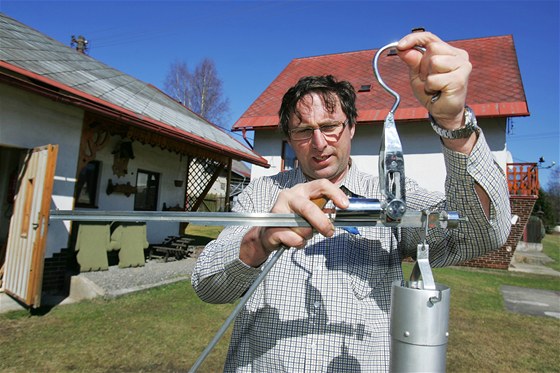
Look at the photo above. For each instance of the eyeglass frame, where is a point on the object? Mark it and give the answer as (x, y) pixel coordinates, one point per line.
(295, 130)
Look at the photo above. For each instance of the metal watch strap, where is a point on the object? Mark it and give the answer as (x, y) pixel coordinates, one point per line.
(465, 131)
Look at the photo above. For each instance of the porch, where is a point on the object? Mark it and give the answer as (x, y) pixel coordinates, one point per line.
(523, 185)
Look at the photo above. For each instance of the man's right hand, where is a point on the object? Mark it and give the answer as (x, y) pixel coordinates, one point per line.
(306, 200)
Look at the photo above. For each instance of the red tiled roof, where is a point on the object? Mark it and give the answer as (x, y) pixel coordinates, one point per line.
(495, 86)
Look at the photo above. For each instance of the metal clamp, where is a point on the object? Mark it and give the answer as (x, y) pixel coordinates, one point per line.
(422, 267)
(391, 159)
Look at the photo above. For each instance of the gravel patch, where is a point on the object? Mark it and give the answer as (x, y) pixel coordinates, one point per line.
(117, 281)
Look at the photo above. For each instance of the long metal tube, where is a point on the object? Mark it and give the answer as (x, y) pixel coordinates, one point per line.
(266, 268)
(361, 212)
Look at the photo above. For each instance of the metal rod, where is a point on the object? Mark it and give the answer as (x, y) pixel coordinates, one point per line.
(266, 268)
(365, 214)
(204, 218)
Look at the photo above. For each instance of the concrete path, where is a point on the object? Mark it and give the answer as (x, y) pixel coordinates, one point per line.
(8, 303)
(534, 302)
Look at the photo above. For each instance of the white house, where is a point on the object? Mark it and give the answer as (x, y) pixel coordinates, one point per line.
(495, 94)
(78, 134)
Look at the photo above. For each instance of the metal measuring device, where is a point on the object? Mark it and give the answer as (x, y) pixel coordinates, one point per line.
(419, 315)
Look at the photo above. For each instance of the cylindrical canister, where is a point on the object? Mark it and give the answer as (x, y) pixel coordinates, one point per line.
(419, 327)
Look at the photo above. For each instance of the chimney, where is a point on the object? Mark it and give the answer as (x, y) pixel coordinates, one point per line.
(80, 44)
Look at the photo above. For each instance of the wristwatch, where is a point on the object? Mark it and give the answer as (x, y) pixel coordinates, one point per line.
(465, 131)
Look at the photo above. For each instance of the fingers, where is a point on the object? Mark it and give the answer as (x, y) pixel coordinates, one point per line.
(438, 58)
(273, 238)
(441, 68)
(446, 74)
(417, 38)
(306, 200)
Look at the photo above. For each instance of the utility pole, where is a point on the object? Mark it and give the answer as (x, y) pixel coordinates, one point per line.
(80, 44)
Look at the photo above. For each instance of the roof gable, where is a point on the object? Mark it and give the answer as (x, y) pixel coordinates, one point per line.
(495, 86)
(34, 55)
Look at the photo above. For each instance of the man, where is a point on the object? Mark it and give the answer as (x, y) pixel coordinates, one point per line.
(324, 306)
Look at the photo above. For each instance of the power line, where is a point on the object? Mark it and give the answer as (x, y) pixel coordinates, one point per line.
(116, 37)
(537, 136)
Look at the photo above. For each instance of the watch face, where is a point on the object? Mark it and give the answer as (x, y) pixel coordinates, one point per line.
(461, 133)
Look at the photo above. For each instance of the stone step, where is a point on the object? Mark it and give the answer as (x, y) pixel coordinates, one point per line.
(531, 257)
(528, 246)
(533, 268)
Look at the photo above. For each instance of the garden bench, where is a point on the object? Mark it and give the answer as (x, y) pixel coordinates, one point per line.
(173, 245)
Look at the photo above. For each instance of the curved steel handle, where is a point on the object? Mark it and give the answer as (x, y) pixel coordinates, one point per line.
(378, 76)
(397, 97)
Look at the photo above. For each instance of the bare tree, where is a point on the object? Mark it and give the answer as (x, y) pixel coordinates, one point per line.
(201, 91)
(177, 83)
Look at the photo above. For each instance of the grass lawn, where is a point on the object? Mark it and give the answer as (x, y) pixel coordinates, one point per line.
(203, 234)
(551, 247)
(165, 329)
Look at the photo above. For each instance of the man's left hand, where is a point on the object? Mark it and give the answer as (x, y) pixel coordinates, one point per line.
(441, 68)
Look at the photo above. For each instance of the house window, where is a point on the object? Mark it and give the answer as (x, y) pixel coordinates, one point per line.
(289, 160)
(87, 185)
(147, 186)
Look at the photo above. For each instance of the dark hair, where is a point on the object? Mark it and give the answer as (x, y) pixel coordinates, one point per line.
(327, 87)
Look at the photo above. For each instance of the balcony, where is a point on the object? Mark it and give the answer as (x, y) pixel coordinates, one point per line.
(523, 179)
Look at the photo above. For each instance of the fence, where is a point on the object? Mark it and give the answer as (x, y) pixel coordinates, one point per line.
(523, 179)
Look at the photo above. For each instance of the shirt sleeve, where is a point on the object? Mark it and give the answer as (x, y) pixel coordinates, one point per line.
(219, 275)
(480, 234)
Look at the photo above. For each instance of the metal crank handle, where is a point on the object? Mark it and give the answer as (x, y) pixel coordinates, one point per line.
(369, 212)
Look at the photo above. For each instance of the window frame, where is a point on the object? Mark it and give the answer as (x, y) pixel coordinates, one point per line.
(144, 205)
(83, 185)
(286, 148)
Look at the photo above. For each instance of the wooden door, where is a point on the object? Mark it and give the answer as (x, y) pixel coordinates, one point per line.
(27, 236)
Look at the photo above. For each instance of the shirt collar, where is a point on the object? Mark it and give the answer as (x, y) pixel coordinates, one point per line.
(353, 182)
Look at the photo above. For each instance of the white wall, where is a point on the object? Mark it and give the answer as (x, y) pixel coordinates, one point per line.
(421, 147)
(28, 121)
(169, 165)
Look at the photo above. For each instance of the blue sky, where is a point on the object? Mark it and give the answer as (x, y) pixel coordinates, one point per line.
(251, 42)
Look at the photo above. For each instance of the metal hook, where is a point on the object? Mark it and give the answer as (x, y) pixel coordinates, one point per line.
(381, 82)
(397, 97)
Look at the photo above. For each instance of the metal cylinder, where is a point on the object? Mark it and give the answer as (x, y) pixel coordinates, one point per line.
(365, 210)
(419, 327)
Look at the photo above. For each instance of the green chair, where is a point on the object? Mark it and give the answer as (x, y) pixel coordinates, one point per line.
(92, 244)
(130, 240)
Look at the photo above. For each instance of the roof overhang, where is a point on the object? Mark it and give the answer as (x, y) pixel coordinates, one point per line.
(22, 78)
(486, 110)
(495, 85)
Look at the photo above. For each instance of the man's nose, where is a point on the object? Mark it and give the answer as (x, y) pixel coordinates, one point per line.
(318, 139)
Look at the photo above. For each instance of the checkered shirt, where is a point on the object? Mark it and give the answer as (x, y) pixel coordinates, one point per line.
(325, 308)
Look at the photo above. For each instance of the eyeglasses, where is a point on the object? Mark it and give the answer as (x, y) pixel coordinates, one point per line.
(330, 131)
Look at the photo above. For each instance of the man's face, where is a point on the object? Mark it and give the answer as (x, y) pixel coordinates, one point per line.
(321, 157)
